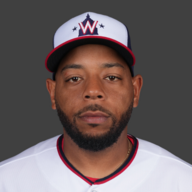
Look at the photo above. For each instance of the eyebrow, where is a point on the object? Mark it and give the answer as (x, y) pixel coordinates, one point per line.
(109, 65)
(72, 66)
(78, 66)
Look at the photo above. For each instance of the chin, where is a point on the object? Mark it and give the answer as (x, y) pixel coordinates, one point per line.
(94, 130)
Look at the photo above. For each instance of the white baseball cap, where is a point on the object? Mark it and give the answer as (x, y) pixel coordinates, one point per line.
(90, 28)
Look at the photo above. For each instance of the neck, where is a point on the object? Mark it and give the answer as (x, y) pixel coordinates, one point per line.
(97, 164)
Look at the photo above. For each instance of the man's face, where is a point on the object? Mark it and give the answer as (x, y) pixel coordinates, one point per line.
(93, 78)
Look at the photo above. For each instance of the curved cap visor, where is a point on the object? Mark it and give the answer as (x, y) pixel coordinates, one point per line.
(55, 56)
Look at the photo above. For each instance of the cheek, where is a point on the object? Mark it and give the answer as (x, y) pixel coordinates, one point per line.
(67, 99)
(121, 98)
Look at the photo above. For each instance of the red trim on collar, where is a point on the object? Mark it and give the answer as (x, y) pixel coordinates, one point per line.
(90, 180)
(71, 168)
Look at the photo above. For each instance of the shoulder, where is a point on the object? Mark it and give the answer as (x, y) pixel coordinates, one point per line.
(152, 149)
(163, 165)
(31, 152)
(26, 163)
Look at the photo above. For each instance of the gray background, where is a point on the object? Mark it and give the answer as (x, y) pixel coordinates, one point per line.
(161, 41)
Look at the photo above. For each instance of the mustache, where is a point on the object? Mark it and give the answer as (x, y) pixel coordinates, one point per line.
(93, 107)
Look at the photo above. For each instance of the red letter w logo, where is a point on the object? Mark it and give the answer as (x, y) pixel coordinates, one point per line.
(88, 25)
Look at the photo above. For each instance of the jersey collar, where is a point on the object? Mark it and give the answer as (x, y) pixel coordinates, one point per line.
(122, 168)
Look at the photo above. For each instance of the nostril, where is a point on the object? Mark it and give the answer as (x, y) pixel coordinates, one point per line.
(87, 96)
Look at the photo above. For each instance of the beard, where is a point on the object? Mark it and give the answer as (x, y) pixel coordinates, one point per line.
(94, 143)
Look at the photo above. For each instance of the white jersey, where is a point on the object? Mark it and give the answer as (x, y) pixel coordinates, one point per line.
(44, 168)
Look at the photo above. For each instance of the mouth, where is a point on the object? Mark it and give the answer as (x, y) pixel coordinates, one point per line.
(94, 117)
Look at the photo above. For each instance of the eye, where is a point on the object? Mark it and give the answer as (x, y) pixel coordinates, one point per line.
(73, 79)
(112, 78)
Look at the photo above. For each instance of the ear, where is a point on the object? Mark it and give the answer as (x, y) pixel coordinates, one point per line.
(50, 84)
(137, 82)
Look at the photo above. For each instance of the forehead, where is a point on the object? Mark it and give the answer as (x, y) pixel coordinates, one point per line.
(92, 56)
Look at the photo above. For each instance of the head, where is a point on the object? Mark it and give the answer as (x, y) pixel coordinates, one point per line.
(94, 77)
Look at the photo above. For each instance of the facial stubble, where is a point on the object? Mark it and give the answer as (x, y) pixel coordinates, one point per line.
(97, 142)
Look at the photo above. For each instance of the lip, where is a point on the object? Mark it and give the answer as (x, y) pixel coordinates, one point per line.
(94, 117)
(94, 114)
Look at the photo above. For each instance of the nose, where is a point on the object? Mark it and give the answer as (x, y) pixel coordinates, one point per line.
(94, 89)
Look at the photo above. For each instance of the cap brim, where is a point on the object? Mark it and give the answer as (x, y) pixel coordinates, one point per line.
(54, 57)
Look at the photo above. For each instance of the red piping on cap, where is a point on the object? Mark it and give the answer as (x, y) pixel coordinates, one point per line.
(88, 37)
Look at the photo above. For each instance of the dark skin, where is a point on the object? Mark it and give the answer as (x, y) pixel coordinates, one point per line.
(95, 84)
